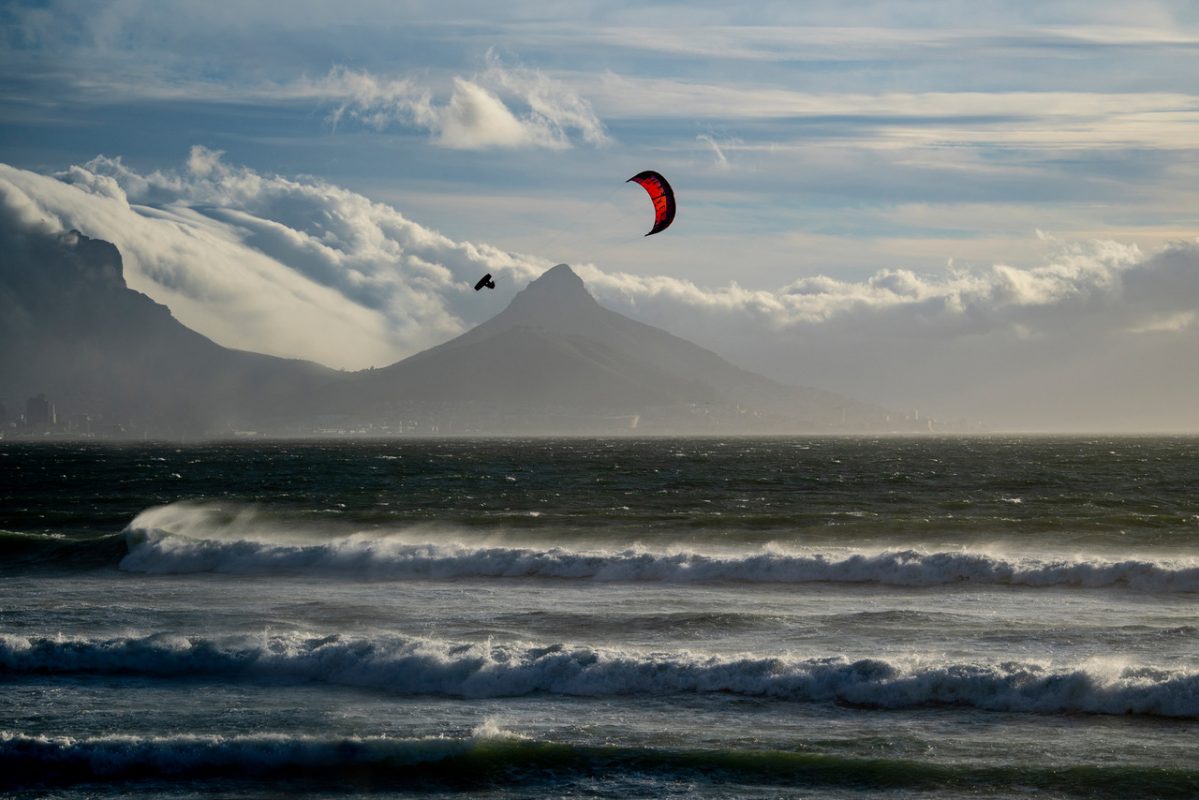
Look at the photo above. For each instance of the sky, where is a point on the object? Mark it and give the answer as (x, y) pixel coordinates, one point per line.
(979, 210)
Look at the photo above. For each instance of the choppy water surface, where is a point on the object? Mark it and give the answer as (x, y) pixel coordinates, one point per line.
(747, 617)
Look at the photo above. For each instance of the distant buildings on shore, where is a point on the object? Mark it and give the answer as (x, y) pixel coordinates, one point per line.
(41, 418)
(39, 413)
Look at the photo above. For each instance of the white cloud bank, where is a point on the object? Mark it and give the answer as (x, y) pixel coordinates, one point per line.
(295, 268)
(299, 267)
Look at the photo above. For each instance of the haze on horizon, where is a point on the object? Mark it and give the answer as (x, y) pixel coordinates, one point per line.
(970, 209)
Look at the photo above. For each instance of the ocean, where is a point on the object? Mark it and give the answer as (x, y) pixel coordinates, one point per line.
(744, 617)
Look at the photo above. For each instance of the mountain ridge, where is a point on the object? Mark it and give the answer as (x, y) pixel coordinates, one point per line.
(71, 328)
(554, 361)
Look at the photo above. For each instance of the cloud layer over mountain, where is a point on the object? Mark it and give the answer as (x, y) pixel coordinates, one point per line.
(296, 266)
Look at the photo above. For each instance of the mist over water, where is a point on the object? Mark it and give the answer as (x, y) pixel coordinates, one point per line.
(930, 617)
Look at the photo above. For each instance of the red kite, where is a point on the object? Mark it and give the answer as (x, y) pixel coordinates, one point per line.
(662, 195)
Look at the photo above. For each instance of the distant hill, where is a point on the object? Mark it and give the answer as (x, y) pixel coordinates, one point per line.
(553, 362)
(556, 361)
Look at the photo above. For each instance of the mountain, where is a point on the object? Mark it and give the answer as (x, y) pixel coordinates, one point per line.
(553, 362)
(71, 329)
(556, 361)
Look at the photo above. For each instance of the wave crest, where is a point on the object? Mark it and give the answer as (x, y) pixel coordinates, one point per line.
(436, 667)
(388, 558)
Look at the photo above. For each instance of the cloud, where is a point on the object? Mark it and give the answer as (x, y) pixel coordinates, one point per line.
(722, 161)
(1166, 323)
(1081, 277)
(475, 116)
(832, 40)
(553, 105)
(1047, 119)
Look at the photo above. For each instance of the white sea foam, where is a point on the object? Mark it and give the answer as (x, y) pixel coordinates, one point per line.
(400, 665)
(179, 539)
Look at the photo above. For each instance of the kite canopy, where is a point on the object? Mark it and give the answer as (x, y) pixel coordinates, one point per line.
(662, 195)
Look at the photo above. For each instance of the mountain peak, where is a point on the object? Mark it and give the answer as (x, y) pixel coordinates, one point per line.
(559, 281)
(560, 273)
(47, 265)
(98, 260)
(553, 299)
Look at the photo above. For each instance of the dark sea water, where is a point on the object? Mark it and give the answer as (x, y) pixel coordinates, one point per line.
(817, 618)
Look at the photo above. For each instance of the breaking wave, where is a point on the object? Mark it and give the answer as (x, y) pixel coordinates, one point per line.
(401, 665)
(181, 539)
